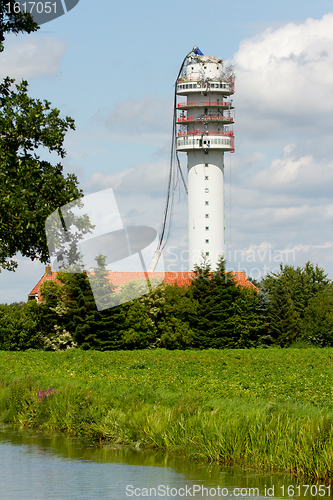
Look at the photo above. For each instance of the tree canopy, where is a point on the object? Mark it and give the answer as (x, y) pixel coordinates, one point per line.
(293, 295)
(318, 319)
(12, 21)
(30, 188)
(226, 315)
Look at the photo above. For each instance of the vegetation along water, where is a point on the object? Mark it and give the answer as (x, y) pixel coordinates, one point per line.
(270, 408)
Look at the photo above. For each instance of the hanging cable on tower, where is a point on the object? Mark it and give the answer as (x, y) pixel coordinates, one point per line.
(175, 172)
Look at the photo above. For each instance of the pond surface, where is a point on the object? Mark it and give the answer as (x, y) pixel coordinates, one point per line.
(38, 467)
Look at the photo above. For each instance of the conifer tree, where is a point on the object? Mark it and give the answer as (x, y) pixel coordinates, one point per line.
(284, 319)
(246, 321)
(91, 328)
(216, 293)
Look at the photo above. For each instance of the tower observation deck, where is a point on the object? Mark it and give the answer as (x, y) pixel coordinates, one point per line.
(205, 121)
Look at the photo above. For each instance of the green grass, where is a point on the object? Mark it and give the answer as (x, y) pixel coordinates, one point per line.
(270, 408)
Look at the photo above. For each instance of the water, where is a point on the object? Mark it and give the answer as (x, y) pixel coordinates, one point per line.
(38, 467)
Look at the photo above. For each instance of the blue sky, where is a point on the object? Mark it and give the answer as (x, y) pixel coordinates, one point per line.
(112, 68)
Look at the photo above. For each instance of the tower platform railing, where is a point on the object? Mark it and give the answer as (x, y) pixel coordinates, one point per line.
(193, 104)
(206, 132)
(205, 118)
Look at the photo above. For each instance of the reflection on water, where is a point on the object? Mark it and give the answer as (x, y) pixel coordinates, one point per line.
(38, 467)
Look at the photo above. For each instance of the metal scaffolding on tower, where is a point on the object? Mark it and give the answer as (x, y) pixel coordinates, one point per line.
(203, 78)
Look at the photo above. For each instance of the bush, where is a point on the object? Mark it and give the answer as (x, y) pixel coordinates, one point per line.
(18, 327)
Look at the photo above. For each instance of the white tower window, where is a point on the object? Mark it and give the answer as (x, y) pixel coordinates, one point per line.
(206, 202)
(206, 190)
(207, 241)
(207, 228)
(207, 254)
(206, 178)
(207, 216)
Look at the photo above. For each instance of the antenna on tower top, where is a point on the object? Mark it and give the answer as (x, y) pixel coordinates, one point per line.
(197, 51)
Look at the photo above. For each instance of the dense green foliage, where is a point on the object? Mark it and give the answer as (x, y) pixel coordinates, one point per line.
(271, 408)
(212, 312)
(293, 305)
(226, 314)
(30, 188)
(18, 327)
(69, 308)
(158, 319)
(317, 324)
(282, 316)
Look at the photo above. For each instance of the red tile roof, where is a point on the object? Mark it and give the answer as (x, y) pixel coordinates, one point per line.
(122, 278)
(36, 290)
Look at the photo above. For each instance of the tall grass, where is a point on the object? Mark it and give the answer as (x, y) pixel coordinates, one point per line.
(271, 409)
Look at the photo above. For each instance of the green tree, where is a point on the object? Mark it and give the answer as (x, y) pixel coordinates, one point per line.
(159, 318)
(30, 188)
(103, 289)
(168, 308)
(91, 328)
(78, 300)
(51, 315)
(48, 313)
(246, 321)
(18, 327)
(138, 330)
(302, 283)
(290, 292)
(262, 309)
(173, 324)
(14, 21)
(284, 319)
(216, 293)
(317, 325)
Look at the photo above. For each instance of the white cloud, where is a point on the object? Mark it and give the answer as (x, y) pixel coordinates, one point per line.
(306, 248)
(147, 119)
(148, 178)
(281, 207)
(284, 99)
(285, 78)
(140, 195)
(297, 177)
(32, 56)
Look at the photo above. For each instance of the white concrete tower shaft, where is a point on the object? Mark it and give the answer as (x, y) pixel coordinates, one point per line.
(205, 133)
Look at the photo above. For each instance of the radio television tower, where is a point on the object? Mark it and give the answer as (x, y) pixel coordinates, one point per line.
(205, 134)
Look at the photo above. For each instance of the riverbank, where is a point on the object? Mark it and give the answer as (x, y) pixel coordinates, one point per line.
(269, 408)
